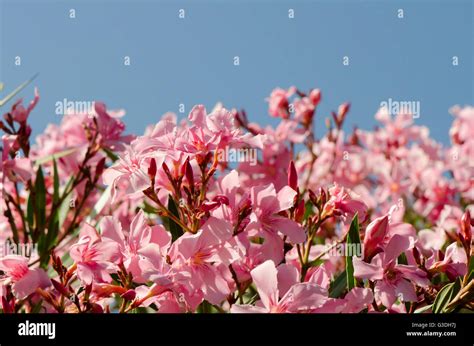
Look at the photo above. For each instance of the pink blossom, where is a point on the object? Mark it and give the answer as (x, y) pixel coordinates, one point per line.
(278, 102)
(24, 280)
(453, 263)
(298, 298)
(17, 168)
(205, 256)
(266, 206)
(392, 280)
(343, 203)
(131, 243)
(130, 173)
(19, 113)
(93, 257)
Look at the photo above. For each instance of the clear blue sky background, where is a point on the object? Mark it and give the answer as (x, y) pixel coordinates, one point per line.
(190, 61)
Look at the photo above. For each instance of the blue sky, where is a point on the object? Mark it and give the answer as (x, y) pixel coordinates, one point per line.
(190, 60)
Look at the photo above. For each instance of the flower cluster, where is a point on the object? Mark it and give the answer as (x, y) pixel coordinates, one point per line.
(368, 221)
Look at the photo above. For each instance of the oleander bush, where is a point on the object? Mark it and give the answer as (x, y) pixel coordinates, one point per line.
(219, 214)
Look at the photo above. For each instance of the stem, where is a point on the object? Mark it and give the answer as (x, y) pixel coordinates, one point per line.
(465, 295)
(165, 211)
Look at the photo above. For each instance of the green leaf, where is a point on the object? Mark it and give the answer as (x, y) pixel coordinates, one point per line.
(64, 208)
(316, 263)
(104, 198)
(445, 295)
(16, 91)
(55, 156)
(110, 154)
(40, 201)
(423, 309)
(55, 183)
(30, 211)
(402, 259)
(338, 286)
(308, 210)
(471, 269)
(147, 208)
(37, 307)
(47, 237)
(353, 239)
(175, 229)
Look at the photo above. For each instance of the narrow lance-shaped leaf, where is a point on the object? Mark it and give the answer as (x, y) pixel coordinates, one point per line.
(55, 182)
(65, 205)
(101, 203)
(110, 154)
(352, 243)
(40, 202)
(175, 229)
(55, 156)
(50, 237)
(445, 295)
(338, 286)
(30, 210)
(16, 91)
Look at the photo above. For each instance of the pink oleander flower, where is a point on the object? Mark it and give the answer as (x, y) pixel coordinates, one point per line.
(266, 204)
(131, 243)
(130, 173)
(94, 258)
(213, 131)
(300, 297)
(354, 301)
(453, 263)
(305, 107)
(24, 280)
(110, 128)
(380, 231)
(237, 207)
(19, 113)
(278, 102)
(204, 258)
(15, 169)
(392, 280)
(463, 124)
(343, 203)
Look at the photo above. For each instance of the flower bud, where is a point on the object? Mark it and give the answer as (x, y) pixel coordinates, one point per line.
(188, 172)
(99, 168)
(167, 171)
(244, 207)
(292, 176)
(129, 295)
(222, 199)
(312, 197)
(315, 96)
(466, 231)
(300, 211)
(341, 113)
(323, 198)
(60, 288)
(152, 169)
(374, 235)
